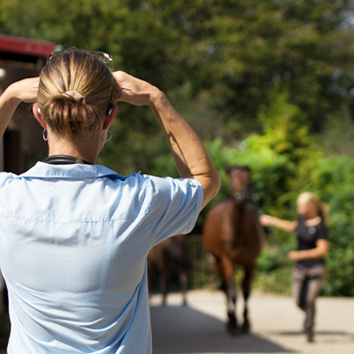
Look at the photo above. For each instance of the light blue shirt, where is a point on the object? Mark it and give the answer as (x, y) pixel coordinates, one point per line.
(73, 247)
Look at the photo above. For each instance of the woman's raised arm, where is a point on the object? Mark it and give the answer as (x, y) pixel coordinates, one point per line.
(191, 158)
(20, 91)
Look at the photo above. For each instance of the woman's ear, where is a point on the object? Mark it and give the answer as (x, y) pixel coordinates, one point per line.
(37, 114)
(110, 116)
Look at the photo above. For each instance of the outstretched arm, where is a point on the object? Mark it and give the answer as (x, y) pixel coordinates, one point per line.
(20, 91)
(285, 225)
(190, 156)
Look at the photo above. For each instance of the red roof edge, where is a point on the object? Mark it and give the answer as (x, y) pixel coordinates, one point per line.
(26, 46)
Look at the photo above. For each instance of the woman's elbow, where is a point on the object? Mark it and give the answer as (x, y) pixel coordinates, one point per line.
(211, 187)
(216, 182)
(325, 252)
(323, 249)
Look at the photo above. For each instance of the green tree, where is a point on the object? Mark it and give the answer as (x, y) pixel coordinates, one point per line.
(235, 50)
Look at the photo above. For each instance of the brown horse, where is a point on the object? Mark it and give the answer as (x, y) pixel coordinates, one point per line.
(167, 255)
(233, 235)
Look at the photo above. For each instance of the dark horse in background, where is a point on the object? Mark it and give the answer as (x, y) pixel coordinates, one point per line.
(233, 235)
(171, 255)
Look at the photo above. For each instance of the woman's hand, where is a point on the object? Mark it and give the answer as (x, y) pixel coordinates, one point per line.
(295, 255)
(20, 91)
(135, 91)
(265, 220)
(24, 90)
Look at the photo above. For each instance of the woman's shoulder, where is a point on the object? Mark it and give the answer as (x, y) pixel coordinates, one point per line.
(321, 229)
(6, 177)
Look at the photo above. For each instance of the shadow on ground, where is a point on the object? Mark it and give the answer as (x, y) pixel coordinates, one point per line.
(183, 330)
(321, 333)
(325, 336)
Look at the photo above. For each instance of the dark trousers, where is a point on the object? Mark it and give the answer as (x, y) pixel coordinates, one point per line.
(307, 285)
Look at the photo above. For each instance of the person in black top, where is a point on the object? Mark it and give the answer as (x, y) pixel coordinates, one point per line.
(310, 269)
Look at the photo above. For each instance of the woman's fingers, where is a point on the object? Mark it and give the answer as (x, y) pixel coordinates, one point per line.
(133, 90)
(26, 89)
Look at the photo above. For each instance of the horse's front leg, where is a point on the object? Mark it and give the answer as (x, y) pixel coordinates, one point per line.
(163, 286)
(230, 291)
(183, 278)
(246, 290)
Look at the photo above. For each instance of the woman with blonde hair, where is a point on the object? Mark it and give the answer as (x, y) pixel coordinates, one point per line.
(309, 270)
(74, 235)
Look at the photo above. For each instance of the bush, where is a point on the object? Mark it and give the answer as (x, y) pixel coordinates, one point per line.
(333, 179)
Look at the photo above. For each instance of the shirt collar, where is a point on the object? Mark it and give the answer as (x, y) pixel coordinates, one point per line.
(71, 171)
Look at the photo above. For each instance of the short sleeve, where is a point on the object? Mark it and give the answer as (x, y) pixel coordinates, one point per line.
(174, 208)
(321, 232)
(5, 180)
(5, 177)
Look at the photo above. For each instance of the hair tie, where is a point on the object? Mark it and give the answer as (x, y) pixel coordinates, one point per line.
(76, 96)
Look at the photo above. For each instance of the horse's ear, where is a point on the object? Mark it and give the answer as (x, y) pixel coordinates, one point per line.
(247, 168)
(228, 169)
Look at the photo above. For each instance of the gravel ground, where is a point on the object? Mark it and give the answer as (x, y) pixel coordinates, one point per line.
(199, 328)
(276, 326)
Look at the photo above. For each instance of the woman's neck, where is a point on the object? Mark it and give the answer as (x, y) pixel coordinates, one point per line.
(72, 153)
(313, 221)
(86, 150)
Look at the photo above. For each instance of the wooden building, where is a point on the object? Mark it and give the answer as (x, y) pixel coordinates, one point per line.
(21, 58)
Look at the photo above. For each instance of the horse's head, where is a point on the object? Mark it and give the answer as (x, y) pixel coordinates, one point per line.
(241, 183)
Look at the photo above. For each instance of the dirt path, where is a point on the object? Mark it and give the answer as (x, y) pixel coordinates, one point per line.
(276, 326)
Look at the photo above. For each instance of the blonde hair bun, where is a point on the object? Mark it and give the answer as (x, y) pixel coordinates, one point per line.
(75, 91)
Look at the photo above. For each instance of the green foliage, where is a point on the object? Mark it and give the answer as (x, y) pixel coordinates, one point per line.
(338, 134)
(333, 181)
(278, 157)
(274, 272)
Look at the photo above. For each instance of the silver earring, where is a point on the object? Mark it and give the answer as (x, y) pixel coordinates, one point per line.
(45, 135)
(109, 133)
(39, 110)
